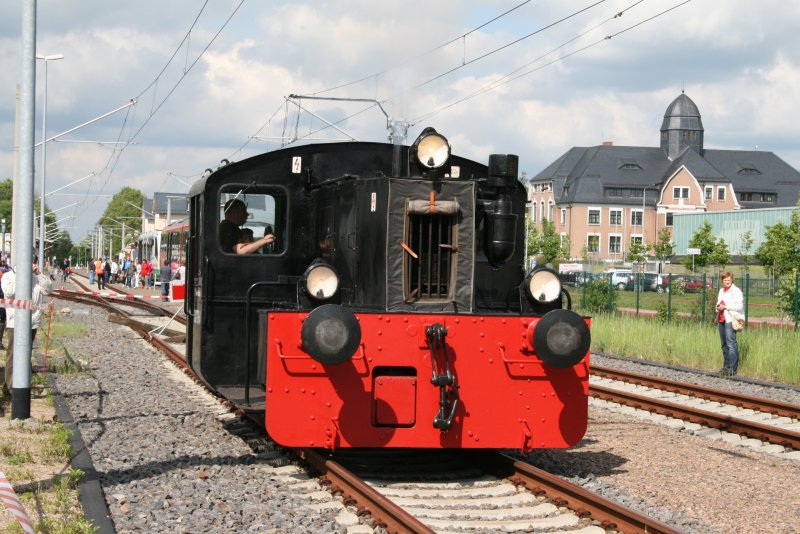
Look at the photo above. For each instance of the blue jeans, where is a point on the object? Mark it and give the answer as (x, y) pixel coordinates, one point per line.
(730, 349)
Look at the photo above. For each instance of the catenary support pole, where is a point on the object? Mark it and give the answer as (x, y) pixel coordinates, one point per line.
(23, 230)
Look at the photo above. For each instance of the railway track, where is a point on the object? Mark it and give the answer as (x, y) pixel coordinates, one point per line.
(757, 418)
(488, 490)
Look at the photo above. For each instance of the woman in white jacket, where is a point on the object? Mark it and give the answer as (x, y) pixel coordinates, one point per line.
(40, 289)
(729, 301)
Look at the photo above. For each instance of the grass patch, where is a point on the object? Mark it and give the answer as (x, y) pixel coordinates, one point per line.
(764, 353)
(61, 328)
(57, 446)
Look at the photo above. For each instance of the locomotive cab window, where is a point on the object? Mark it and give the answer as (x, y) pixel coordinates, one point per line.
(252, 220)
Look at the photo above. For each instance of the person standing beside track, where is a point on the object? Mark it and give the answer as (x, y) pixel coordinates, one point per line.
(99, 272)
(165, 275)
(8, 284)
(729, 301)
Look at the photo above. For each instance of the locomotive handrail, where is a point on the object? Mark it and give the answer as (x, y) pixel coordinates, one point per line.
(187, 309)
(247, 300)
(281, 355)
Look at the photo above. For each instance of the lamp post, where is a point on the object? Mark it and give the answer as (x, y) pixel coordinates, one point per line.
(3, 228)
(44, 155)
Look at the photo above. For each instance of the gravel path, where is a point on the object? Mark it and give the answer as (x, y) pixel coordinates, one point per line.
(165, 459)
(168, 462)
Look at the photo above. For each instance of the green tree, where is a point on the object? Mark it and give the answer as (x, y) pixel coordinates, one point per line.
(62, 246)
(550, 242)
(663, 247)
(720, 255)
(6, 200)
(637, 253)
(746, 248)
(702, 239)
(781, 246)
(566, 248)
(122, 212)
(531, 238)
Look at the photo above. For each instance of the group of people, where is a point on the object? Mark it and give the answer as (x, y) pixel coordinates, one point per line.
(130, 273)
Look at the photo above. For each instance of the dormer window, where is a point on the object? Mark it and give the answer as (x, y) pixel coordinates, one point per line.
(747, 168)
(629, 164)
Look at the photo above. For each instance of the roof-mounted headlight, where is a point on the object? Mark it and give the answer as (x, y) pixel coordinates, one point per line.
(321, 281)
(543, 286)
(432, 149)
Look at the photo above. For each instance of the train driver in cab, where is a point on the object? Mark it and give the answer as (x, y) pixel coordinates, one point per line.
(230, 231)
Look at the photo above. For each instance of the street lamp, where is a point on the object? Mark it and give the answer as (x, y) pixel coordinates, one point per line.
(3, 228)
(44, 155)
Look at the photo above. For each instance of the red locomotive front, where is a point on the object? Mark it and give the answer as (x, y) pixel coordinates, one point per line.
(430, 381)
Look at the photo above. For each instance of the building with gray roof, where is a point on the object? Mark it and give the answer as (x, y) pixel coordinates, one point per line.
(606, 197)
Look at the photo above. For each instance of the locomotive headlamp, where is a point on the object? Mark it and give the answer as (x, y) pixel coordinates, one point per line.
(543, 285)
(432, 149)
(331, 334)
(321, 281)
(561, 338)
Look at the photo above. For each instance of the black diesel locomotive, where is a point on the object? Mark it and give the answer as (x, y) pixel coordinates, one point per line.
(390, 309)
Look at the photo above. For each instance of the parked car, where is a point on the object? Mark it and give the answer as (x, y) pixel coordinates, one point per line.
(620, 278)
(650, 282)
(690, 283)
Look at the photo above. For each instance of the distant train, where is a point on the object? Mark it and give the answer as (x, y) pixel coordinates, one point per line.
(168, 244)
(390, 307)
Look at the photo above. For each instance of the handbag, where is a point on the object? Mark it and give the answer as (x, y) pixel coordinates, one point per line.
(737, 322)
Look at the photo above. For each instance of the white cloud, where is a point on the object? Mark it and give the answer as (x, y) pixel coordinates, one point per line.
(736, 59)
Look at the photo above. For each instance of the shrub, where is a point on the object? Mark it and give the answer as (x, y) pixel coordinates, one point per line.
(599, 296)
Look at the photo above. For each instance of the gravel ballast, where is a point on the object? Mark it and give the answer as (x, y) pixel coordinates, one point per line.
(165, 459)
(168, 462)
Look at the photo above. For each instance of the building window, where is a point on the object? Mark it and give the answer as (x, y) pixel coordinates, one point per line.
(636, 239)
(594, 215)
(636, 217)
(614, 244)
(669, 219)
(613, 191)
(680, 192)
(746, 197)
(550, 211)
(542, 214)
(593, 242)
(563, 216)
(533, 211)
(615, 216)
(709, 193)
(721, 193)
(767, 197)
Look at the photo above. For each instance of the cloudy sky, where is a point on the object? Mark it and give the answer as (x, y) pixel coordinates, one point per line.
(498, 76)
